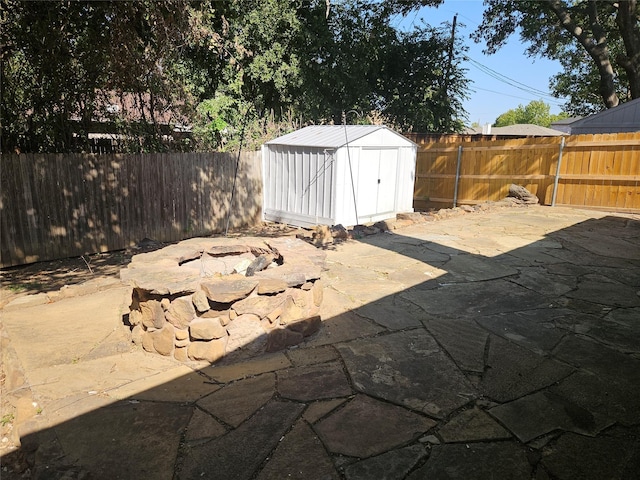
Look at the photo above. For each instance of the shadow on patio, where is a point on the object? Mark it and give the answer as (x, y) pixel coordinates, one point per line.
(498, 346)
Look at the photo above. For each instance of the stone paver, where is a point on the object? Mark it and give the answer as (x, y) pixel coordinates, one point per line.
(367, 427)
(103, 442)
(315, 382)
(615, 455)
(502, 344)
(239, 453)
(387, 466)
(472, 425)
(407, 368)
(533, 329)
(300, 455)
(480, 461)
(462, 339)
(543, 412)
(514, 371)
(237, 401)
(475, 298)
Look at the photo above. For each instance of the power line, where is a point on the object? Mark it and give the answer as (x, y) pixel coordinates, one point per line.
(512, 96)
(507, 80)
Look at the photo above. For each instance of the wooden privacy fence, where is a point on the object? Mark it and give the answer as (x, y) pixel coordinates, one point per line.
(594, 171)
(57, 206)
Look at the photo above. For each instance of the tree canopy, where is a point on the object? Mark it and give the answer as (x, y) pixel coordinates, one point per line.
(253, 66)
(536, 112)
(597, 43)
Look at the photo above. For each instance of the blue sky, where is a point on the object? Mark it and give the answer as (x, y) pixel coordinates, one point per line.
(489, 97)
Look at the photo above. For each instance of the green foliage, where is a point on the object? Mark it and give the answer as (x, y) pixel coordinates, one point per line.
(6, 419)
(597, 43)
(536, 112)
(224, 68)
(359, 62)
(63, 61)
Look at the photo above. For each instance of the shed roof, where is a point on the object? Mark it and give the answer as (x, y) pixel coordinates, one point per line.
(329, 136)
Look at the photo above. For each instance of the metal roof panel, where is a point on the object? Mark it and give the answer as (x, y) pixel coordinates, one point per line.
(325, 136)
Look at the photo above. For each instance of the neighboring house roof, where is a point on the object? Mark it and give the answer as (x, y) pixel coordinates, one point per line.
(564, 125)
(623, 118)
(566, 121)
(131, 107)
(329, 136)
(520, 130)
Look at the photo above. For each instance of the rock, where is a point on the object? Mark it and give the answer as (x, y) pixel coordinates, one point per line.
(521, 193)
(267, 286)
(273, 316)
(226, 250)
(260, 305)
(317, 292)
(322, 235)
(225, 317)
(431, 439)
(339, 232)
(180, 354)
(181, 334)
(136, 334)
(181, 312)
(231, 288)
(241, 266)
(290, 311)
(200, 301)
(206, 329)
(209, 351)
(259, 264)
(135, 317)
(246, 333)
(306, 326)
(281, 338)
(163, 340)
(415, 217)
(147, 342)
(165, 303)
(152, 314)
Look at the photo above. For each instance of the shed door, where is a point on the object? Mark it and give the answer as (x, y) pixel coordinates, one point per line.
(377, 181)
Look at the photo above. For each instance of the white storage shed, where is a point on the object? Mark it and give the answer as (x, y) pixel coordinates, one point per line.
(337, 174)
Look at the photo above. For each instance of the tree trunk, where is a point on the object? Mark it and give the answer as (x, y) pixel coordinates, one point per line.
(595, 46)
(630, 32)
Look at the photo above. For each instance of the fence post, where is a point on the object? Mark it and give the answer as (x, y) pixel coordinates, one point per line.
(455, 188)
(557, 178)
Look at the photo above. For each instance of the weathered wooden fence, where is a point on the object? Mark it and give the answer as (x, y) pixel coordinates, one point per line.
(593, 171)
(57, 206)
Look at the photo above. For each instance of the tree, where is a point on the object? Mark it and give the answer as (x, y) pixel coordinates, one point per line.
(359, 62)
(299, 63)
(536, 112)
(222, 67)
(606, 35)
(62, 61)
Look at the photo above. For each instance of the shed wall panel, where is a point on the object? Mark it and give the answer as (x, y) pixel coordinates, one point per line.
(308, 185)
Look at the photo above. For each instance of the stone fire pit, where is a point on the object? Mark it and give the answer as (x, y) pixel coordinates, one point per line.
(202, 299)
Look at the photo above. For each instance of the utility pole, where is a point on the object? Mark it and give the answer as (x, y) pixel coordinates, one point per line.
(450, 59)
